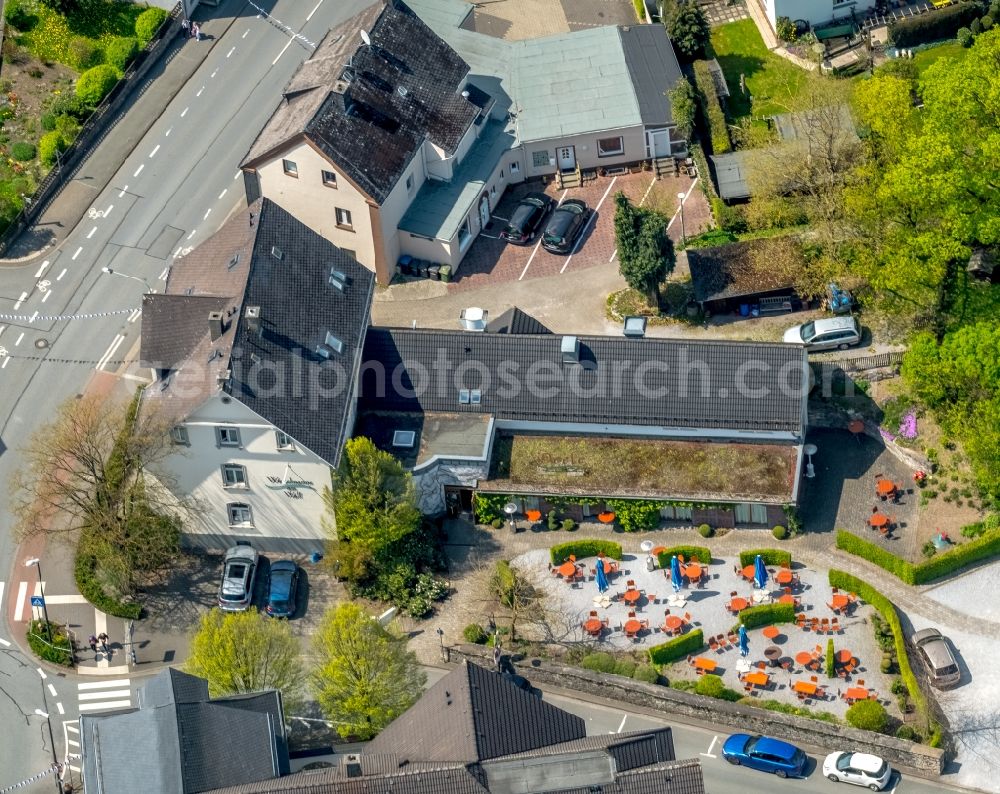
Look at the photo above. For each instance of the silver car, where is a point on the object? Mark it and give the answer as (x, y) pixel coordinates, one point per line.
(860, 769)
(825, 334)
(937, 656)
(239, 571)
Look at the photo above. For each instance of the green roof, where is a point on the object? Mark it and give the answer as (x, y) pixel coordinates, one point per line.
(586, 87)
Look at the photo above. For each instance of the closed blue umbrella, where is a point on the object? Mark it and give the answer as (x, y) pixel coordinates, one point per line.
(675, 573)
(759, 573)
(744, 642)
(602, 579)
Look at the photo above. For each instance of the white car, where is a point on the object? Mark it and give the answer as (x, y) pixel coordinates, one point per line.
(825, 334)
(861, 769)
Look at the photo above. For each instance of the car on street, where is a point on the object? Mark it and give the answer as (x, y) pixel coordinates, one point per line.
(282, 585)
(526, 219)
(564, 227)
(765, 754)
(859, 769)
(239, 571)
(935, 652)
(825, 334)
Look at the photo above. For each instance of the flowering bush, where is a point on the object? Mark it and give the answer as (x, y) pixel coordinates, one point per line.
(908, 427)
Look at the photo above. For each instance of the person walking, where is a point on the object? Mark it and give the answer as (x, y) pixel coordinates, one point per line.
(103, 639)
(93, 643)
(185, 28)
(196, 31)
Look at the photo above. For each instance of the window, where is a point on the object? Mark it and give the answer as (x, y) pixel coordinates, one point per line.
(501, 175)
(676, 513)
(742, 513)
(227, 437)
(234, 476)
(463, 396)
(352, 254)
(758, 514)
(607, 147)
(290, 168)
(333, 342)
(464, 235)
(239, 514)
(514, 168)
(179, 435)
(476, 396)
(409, 183)
(329, 179)
(540, 159)
(493, 191)
(283, 440)
(344, 219)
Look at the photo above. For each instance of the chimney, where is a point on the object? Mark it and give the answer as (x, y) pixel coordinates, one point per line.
(352, 765)
(215, 324)
(252, 315)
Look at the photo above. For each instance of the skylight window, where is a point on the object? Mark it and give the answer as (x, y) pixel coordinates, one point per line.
(464, 396)
(476, 396)
(235, 260)
(334, 343)
(276, 252)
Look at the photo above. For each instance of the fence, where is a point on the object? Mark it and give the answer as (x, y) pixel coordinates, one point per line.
(870, 362)
(93, 130)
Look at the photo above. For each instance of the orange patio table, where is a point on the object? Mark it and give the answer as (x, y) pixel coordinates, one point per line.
(805, 687)
(748, 572)
(533, 515)
(856, 693)
(804, 658)
(878, 520)
(593, 626)
(631, 596)
(757, 678)
(738, 604)
(693, 572)
(844, 656)
(708, 665)
(839, 602)
(771, 632)
(885, 487)
(567, 569)
(784, 576)
(788, 598)
(672, 623)
(632, 627)
(606, 518)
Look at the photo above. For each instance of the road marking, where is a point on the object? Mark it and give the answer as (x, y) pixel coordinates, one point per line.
(41, 672)
(64, 599)
(107, 212)
(247, 32)
(33, 317)
(20, 300)
(1, 594)
(590, 220)
(613, 255)
(152, 154)
(167, 133)
(213, 74)
(622, 725)
(117, 682)
(710, 747)
(63, 273)
(4, 643)
(110, 351)
(92, 232)
(238, 173)
(231, 52)
(106, 705)
(139, 170)
(200, 90)
(289, 44)
(223, 193)
(646, 194)
(207, 213)
(41, 270)
(122, 191)
(314, 10)
(134, 315)
(90, 694)
(115, 693)
(192, 234)
(61, 710)
(184, 112)
(2, 329)
(166, 271)
(77, 252)
(45, 297)
(19, 338)
(52, 691)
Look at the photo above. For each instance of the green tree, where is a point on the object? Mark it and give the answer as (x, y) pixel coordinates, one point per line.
(95, 84)
(645, 252)
(514, 593)
(63, 7)
(683, 107)
(147, 23)
(687, 27)
(240, 652)
(49, 144)
(868, 715)
(366, 677)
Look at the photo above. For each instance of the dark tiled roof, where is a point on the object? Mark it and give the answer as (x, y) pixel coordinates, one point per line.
(174, 325)
(742, 269)
(173, 686)
(652, 65)
(630, 750)
(410, 779)
(718, 385)
(473, 714)
(401, 91)
(514, 321)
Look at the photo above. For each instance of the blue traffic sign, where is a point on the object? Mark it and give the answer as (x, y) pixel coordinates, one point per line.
(37, 601)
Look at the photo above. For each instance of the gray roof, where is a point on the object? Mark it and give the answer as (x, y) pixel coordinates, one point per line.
(180, 742)
(653, 67)
(731, 175)
(439, 208)
(792, 126)
(741, 269)
(753, 386)
(515, 321)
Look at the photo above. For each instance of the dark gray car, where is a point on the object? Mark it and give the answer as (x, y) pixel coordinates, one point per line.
(283, 583)
(565, 226)
(527, 218)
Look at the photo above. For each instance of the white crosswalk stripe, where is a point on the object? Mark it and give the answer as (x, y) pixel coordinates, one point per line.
(104, 695)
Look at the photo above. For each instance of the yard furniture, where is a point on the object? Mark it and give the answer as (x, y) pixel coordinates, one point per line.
(878, 520)
(533, 515)
(632, 627)
(773, 654)
(804, 658)
(733, 639)
(856, 428)
(606, 518)
(703, 665)
(722, 642)
(713, 644)
(788, 598)
(835, 626)
(784, 576)
(757, 679)
(693, 572)
(844, 656)
(673, 624)
(737, 605)
(632, 596)
(856, 693)
(761, 596)
(567, 570)
(771, 632)
(805, 689)
(839, 602)
(593, 626)
(885, 489)
(747, 572)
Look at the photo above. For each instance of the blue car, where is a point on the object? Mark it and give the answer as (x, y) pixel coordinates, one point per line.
(281, 589)
(765, 754)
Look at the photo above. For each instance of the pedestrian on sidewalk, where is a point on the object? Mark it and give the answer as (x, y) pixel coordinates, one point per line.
(185, 28)
(93, 643)
(103, 638)
(196, 31)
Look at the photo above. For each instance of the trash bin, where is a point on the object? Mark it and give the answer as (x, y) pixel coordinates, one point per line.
(434, 272)
(405, 264)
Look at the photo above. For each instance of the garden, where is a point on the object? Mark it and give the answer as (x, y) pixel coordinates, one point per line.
(60, 59)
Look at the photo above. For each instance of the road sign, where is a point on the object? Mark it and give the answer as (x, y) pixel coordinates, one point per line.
(37, 601)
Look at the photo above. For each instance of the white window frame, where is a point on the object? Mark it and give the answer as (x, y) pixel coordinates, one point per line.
(290, 167)
(234, 475)
(234, 513)
(343, 218)
(179, 436)
(741, 512)
(466, 241)
(226, 436)
(514, 167)
(601, 152)
(332, 183)
(283, 441)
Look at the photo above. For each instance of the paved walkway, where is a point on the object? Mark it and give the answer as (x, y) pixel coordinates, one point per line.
(721, 12)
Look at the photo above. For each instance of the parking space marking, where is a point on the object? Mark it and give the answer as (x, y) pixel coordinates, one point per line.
(678, 211)
(139, 170)
(538, 244)
(622, 724)
(709, 754)
(590, 220)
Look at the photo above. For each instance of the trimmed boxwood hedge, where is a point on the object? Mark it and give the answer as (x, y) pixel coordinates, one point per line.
(60, 651)
(766, 614)
(769, 556)
(586, 547)
(703, 554)
(90, 588)
(942, 24)
(677, 648)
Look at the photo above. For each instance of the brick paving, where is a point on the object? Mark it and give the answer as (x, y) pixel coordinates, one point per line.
(721, 12)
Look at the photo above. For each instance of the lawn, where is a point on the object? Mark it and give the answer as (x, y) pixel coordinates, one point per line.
(603, 466)
(96, 20)
(949, 49)
(773, 82)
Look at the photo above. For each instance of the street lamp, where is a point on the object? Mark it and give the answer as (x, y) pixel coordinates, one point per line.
(56, 766)
(440, 633)
(680, 198)
(510, 508)
(45, 610)
(141, 280)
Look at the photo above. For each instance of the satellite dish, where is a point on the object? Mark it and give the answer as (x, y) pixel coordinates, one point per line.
(366, 38)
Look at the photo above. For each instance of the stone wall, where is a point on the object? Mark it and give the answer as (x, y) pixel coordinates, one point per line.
(911, 758)
(830, 416)
(430, 482)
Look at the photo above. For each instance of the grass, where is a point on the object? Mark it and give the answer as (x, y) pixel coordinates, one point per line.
(773, 82)
(947, 49)
(96, 20)
(641, 467)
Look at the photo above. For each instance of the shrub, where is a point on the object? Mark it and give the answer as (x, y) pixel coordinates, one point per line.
(986, 22)
(688, 29)
(851, 543)
(625, 667)
(975, 28)
(23, 151)
(706, 531)
(677, 648)
(779, 532)
(489, 507)
(965, 37)
(785, 29)
(120, 52)
(973, 530)
(712, 686)
(868, 715)
(497, 523)
(85, 572)
(583, 548)
(942, 24)
(84, 54)
(908, 734)
(766, 614)
(553, 521)
(49, 144)
(683, 107)
(898, 687)
(95, 84)
(475, 634)
(713, 117)
(18, 14)
(647, 673)
(568, 525)
(985, 546)
(147, 23)
(769, 556)
(599, 662)
(48, 122)
(59, 651)
(635, 514)
(830, 660)
(788, 708)
(700, 553)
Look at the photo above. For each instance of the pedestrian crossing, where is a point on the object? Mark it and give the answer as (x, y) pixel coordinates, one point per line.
(104, 695)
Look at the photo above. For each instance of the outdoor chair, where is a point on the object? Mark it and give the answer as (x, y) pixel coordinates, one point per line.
(762, 666)
(712, 644)
(733, 594)
(860, 682)
(835, 626)
(814, 679)
(652, 598)
(631, 614)
(687, 618)
(824, 624)
(630, 584)
(690, 660)
(593, 613)
(733, 640)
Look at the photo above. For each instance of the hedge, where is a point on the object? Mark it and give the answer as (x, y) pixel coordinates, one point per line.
(677, 648)
(852, 544)
(147, 23)
(766, 614)
(703, 554)
(583, 548)
(942, 24)
(711, 109)
(120, 52)
(769, 556)
(852, 584)
(59, 651)
(91, 589)
(95, 84)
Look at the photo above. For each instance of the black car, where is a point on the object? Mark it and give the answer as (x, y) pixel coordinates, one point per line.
(565, 226)
(283, 582)
(527, 218)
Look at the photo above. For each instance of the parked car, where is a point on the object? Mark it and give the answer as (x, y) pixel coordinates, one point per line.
(527, 219)
(282, 585)
(859, 769)
(825, 334)
(937, 657)
(239, 570)
(565, 226)
(765, 754)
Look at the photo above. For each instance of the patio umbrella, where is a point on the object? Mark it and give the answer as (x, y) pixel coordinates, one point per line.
(759, 573)
(675, 573)
(744, 642)
(602, 579)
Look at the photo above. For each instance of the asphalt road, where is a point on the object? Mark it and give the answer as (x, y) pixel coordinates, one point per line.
(176, 188)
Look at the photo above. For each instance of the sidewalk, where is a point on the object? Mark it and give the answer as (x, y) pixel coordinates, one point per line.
(178, 63)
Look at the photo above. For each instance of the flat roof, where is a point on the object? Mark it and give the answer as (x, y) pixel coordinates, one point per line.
(446, 435)
(731, 175)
